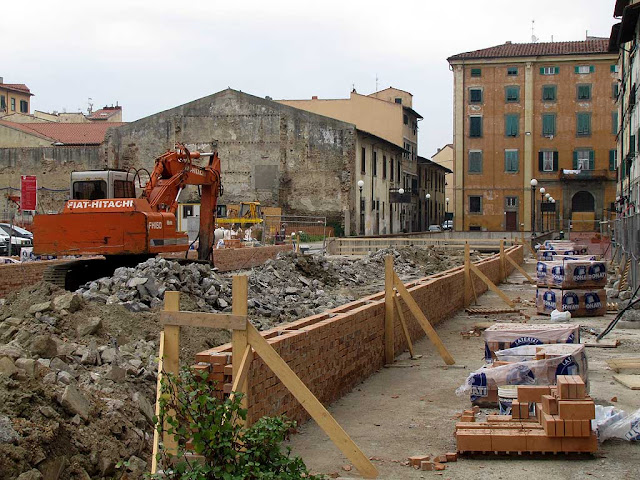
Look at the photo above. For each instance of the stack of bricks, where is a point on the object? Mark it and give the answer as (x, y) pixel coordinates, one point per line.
(562, 423)
(219, 371)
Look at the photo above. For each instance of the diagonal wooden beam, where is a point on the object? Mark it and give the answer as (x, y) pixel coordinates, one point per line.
(423, 321)
(310, 403)
(243, 371)
(405, 329)
(519, 268)
(156, 434)
(491, 285)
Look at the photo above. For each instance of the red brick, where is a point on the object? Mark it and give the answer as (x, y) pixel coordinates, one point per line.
(585, 427)
(416, 460)
(549, 424)
(580, 444)
(538, 441)
(576, 409)
(568, 429)
(532, 393)
(515, 410)
(559, 426)
(426, 465)
(439, 466)
(524, 411)
(508, 440)
(452, 457)
(474, 440)
(549, 404)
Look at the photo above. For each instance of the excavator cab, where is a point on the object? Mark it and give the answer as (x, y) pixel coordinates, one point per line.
(101, 184)
(250, 210)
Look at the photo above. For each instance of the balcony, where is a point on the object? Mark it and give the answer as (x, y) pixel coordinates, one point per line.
(585, 175)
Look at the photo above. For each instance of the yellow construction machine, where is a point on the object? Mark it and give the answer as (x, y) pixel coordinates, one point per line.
(250, 214)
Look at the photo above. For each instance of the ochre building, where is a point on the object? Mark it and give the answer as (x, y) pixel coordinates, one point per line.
(535, 111)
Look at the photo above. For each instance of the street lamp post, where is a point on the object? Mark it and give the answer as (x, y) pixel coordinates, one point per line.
(542, 190)
(534, 183)
(401, 192)
(360, 185)
(428, 196)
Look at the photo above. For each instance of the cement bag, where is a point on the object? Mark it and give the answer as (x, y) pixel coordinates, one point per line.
(613, 423)
(482, 385)
(501, 336)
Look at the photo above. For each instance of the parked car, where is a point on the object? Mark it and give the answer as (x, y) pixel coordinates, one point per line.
(19, 238)
(435, 228)
(447, 225)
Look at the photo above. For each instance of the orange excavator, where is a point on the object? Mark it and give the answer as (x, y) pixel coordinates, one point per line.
(104, 217)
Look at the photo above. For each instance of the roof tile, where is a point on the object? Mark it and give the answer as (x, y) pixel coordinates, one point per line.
(67, 133)
(591, 46)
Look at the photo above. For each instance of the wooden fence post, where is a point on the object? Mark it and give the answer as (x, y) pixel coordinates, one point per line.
(388, 310)
(239, 337)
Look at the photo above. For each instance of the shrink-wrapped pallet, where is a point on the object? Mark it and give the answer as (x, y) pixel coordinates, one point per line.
(583, 302)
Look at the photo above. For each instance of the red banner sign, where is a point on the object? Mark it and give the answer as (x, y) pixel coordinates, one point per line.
(28, 192)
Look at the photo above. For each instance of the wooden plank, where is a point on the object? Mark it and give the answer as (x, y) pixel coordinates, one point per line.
(156, 434)
(491, 285)
(405, 329)
(202, 319)
(618, 364)
(489, 310)
(467, 275)
(171, 357)
(503, 265)
(629, 381)
(389, 354)
(243, 371)
(311, 404)
(240, 289)
(424, 322)
(519, 268)
(604, 343)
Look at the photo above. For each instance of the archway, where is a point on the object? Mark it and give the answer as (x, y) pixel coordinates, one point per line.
(583, 201)
(583, 211)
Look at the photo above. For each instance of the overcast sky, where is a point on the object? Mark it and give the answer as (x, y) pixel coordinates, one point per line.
(153, 55)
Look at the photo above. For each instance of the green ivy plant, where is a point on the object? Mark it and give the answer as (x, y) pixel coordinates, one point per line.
(220, 445)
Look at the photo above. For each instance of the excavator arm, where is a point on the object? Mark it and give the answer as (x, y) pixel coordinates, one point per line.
(173, 171)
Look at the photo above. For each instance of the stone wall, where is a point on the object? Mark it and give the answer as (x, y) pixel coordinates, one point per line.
(335, 351)
(278, 155)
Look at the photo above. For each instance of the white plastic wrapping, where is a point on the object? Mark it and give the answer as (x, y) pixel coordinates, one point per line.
(613, 423)
(508, 335)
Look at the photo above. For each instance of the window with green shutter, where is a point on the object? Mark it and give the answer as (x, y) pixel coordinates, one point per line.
(549, 93)
(475, 161)
(475, 126)
(615, 90)
(583, 159)
(547, 161)
(613, 157)
(511, 122)
(583, 124)
(511, 163)
(476, 72)
(475, 204)
(548, 124)
(549, 70)
(584, 92)
(512, 71)
(613, 68)
(614, 123)
(584, 69)
(475, 95)
(512, 93)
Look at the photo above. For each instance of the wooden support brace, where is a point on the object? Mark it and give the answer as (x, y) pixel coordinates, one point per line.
(389, 354)
(240, 289)
(311, 404)
(171, 358)
(423, 321)
(156, 434)
(520, 269)
(202, 319)
(243, 373)
(468, 281)
(405, 329)
(503, 265)
(491, 285)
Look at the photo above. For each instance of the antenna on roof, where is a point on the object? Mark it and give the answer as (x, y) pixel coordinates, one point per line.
(376, 82)
(534, 39)
(90, 109)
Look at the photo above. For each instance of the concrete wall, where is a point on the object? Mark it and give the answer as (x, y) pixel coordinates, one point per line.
(12, 137)
(494, 183)
(52, 167)
(269, 152)
(335, 351)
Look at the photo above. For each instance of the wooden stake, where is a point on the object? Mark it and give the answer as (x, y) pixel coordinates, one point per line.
(398, 308)
(239, 343)
(503, 266)
(171, 358)
(519, 268)
(311, 404)
(491, 285)
(467, 275)
(424, 321)
(156, 435)
(389, 354)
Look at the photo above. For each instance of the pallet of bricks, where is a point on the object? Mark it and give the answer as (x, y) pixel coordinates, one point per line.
(552, 248)
(562, 422)
(571, 283)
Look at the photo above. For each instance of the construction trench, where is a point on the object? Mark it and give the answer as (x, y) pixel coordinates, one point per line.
(78, 370)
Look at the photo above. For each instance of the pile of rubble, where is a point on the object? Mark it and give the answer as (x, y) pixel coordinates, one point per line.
(78, 369)
(289, 287)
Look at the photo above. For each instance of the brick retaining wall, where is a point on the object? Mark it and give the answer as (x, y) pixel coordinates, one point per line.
(14, 276)
(335, 351)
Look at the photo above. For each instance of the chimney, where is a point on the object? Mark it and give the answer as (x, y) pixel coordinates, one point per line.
(1, 80)
(315, 97)
(508, 42)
